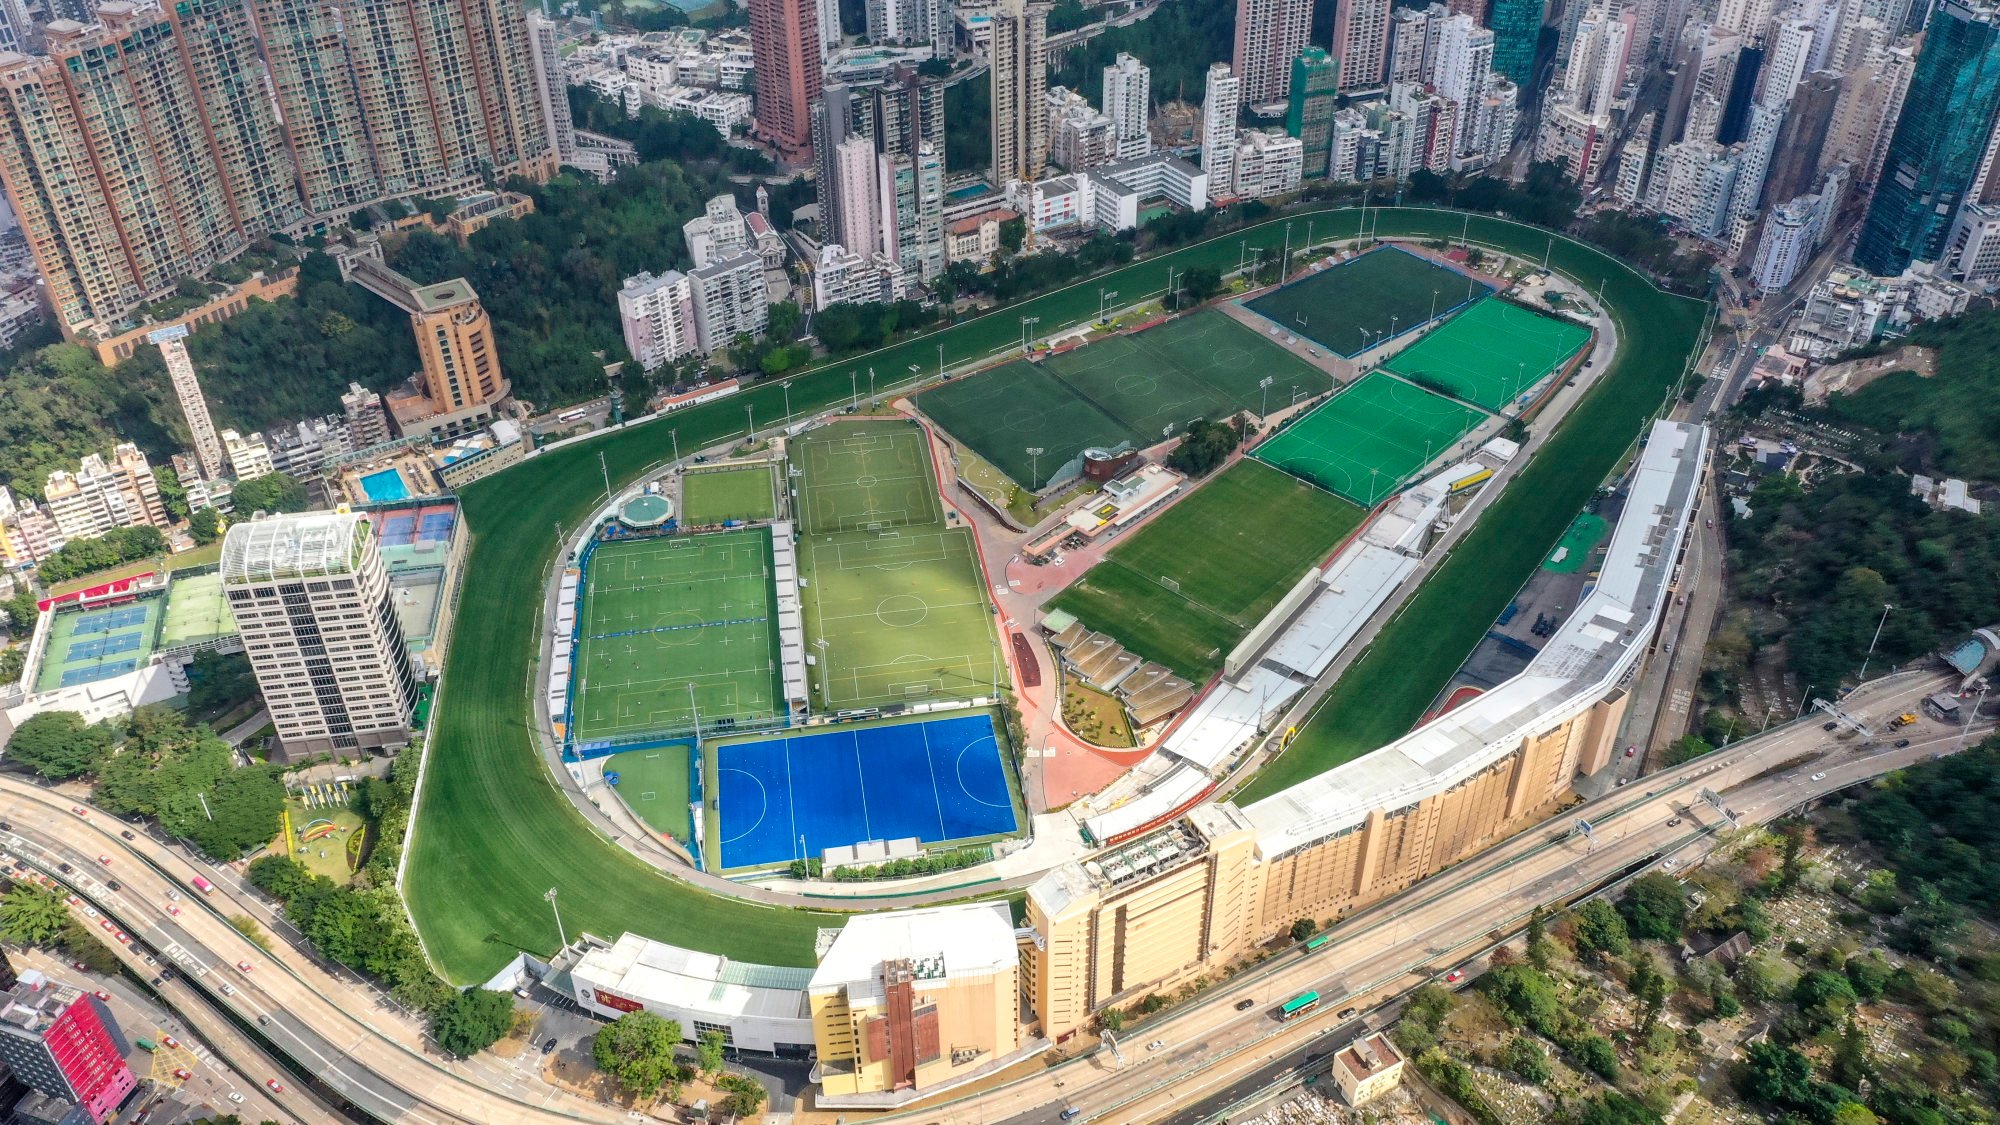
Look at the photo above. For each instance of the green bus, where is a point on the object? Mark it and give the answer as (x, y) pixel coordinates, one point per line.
(1319, 943)
(146, 1044)
(1298, 1006)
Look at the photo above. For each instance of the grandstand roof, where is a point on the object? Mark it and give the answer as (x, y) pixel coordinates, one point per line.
(671, 976)
(1589, 654)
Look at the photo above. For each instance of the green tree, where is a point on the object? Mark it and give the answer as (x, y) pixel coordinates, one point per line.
(1113, 1020)
(637, 1050)
(709, 1052)
(1013, 233)
(1598, 1056)
(33, 915)
(1201, 283)
(205, 526)
(1614, 1108)
(1524, 1056)
(1304, 928)
(743, 1095)
(1869, 975)
(474, 1020)
(59, 745)
(1655, 907)
(1204, 446)
(1601, 931)
(272, 492)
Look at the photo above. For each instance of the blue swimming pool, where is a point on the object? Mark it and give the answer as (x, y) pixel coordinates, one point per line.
(385, 486)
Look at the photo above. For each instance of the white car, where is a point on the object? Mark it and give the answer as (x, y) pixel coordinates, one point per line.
(1156, 1044)
(1819, 777)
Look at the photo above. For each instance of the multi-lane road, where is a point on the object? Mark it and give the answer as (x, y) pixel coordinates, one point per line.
(358, 1048)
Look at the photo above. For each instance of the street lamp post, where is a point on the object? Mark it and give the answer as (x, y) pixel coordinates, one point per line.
(1803, 699)
(551, 896)
(1871, 643)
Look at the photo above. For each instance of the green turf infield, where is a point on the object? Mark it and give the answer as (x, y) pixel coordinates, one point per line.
(1366, 441)
(676, 632)
(1135, 388)
(709, 498)
(1491, 353)
(492, 834)
(1362, 302)
(895, 602)
(654, 783)
(1187, 586)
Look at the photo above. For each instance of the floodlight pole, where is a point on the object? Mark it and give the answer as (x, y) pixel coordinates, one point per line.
(750, 412)
(676, 436)
(1264, 384)
(1871, 643)
(551, 896)
(1034, 466)
(607, 473)
(694, 709)
(871, 388)
(940, 359)
(1434, 304)
(854, 389)
(1802, 702)
(788, 402)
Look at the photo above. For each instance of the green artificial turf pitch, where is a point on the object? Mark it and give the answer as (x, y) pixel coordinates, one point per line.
(655, 784)
(677, 632)
(1585, 532)
(1354, 306)
(898, 612)
(709, 498)
(1366, 441)
(866, 476)
(490, 836)
(1135, 388)
(1188, 585)
(1490, 353)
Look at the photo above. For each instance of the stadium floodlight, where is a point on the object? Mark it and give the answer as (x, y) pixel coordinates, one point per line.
(551, 896)
(1264, 385)
(854, 389)
(1034, 465)
(1027, 322)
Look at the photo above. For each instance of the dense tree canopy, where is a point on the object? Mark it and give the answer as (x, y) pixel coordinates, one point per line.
(59, 745)
(114, 547)
(272, 492)
(637, 1050)
(188, 779)
(472, 1020)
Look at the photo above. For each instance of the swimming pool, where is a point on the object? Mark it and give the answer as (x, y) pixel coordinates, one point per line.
(385, 486)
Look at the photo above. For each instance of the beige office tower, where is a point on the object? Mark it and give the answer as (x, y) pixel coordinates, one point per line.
(1142, 917)
(101, 496)
(305, 41)
(312, 603)
(911, 1002)
(1019, 58)
(1269, 35)
(455, 341)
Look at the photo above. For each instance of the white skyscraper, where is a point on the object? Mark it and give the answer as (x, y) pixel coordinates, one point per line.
(657, 316)
(1785, 67)
(1754, 161)
(312, 603)
(857, 224)
(1128, 86)
(1222, 101)
(1464, 59)
(1787, 244)
(194, 407)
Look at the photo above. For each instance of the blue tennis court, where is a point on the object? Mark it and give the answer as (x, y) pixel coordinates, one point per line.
(939, 780)
(96, 672)
(105, 646)
(105, 620)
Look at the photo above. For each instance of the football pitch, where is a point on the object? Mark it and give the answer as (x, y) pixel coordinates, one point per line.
(1490, 353)
(656, 784)
(1136, 388)
(677, 634)
(1188, 585)
(1366, 441)
(896, 604)
(709, 498)
(1385, 293)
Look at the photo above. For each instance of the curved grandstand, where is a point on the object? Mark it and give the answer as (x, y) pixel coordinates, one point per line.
(487, 847)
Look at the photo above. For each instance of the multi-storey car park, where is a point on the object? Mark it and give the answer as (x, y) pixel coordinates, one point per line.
(1444, 791)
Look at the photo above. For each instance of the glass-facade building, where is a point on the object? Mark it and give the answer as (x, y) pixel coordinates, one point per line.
(1309, 111)
(1517, 28)
(1935, 151)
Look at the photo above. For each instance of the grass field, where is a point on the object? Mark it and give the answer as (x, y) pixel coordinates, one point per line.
(493, 832)
(654, 783)
(1132, 388)
(895, 603)
(709, 498)
(1364, 301)
(1491, 353)
(1188, 585)
(1366, 441)
(676, 632)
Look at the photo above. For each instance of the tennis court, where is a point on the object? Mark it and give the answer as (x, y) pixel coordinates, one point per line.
(1366, 441)
(656, 783)
(1368, 300)
(1128, 389)
(896, 605)
(677, 634)
(1490, 354)
(97, 644)
(711, 497)
(790, 798)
